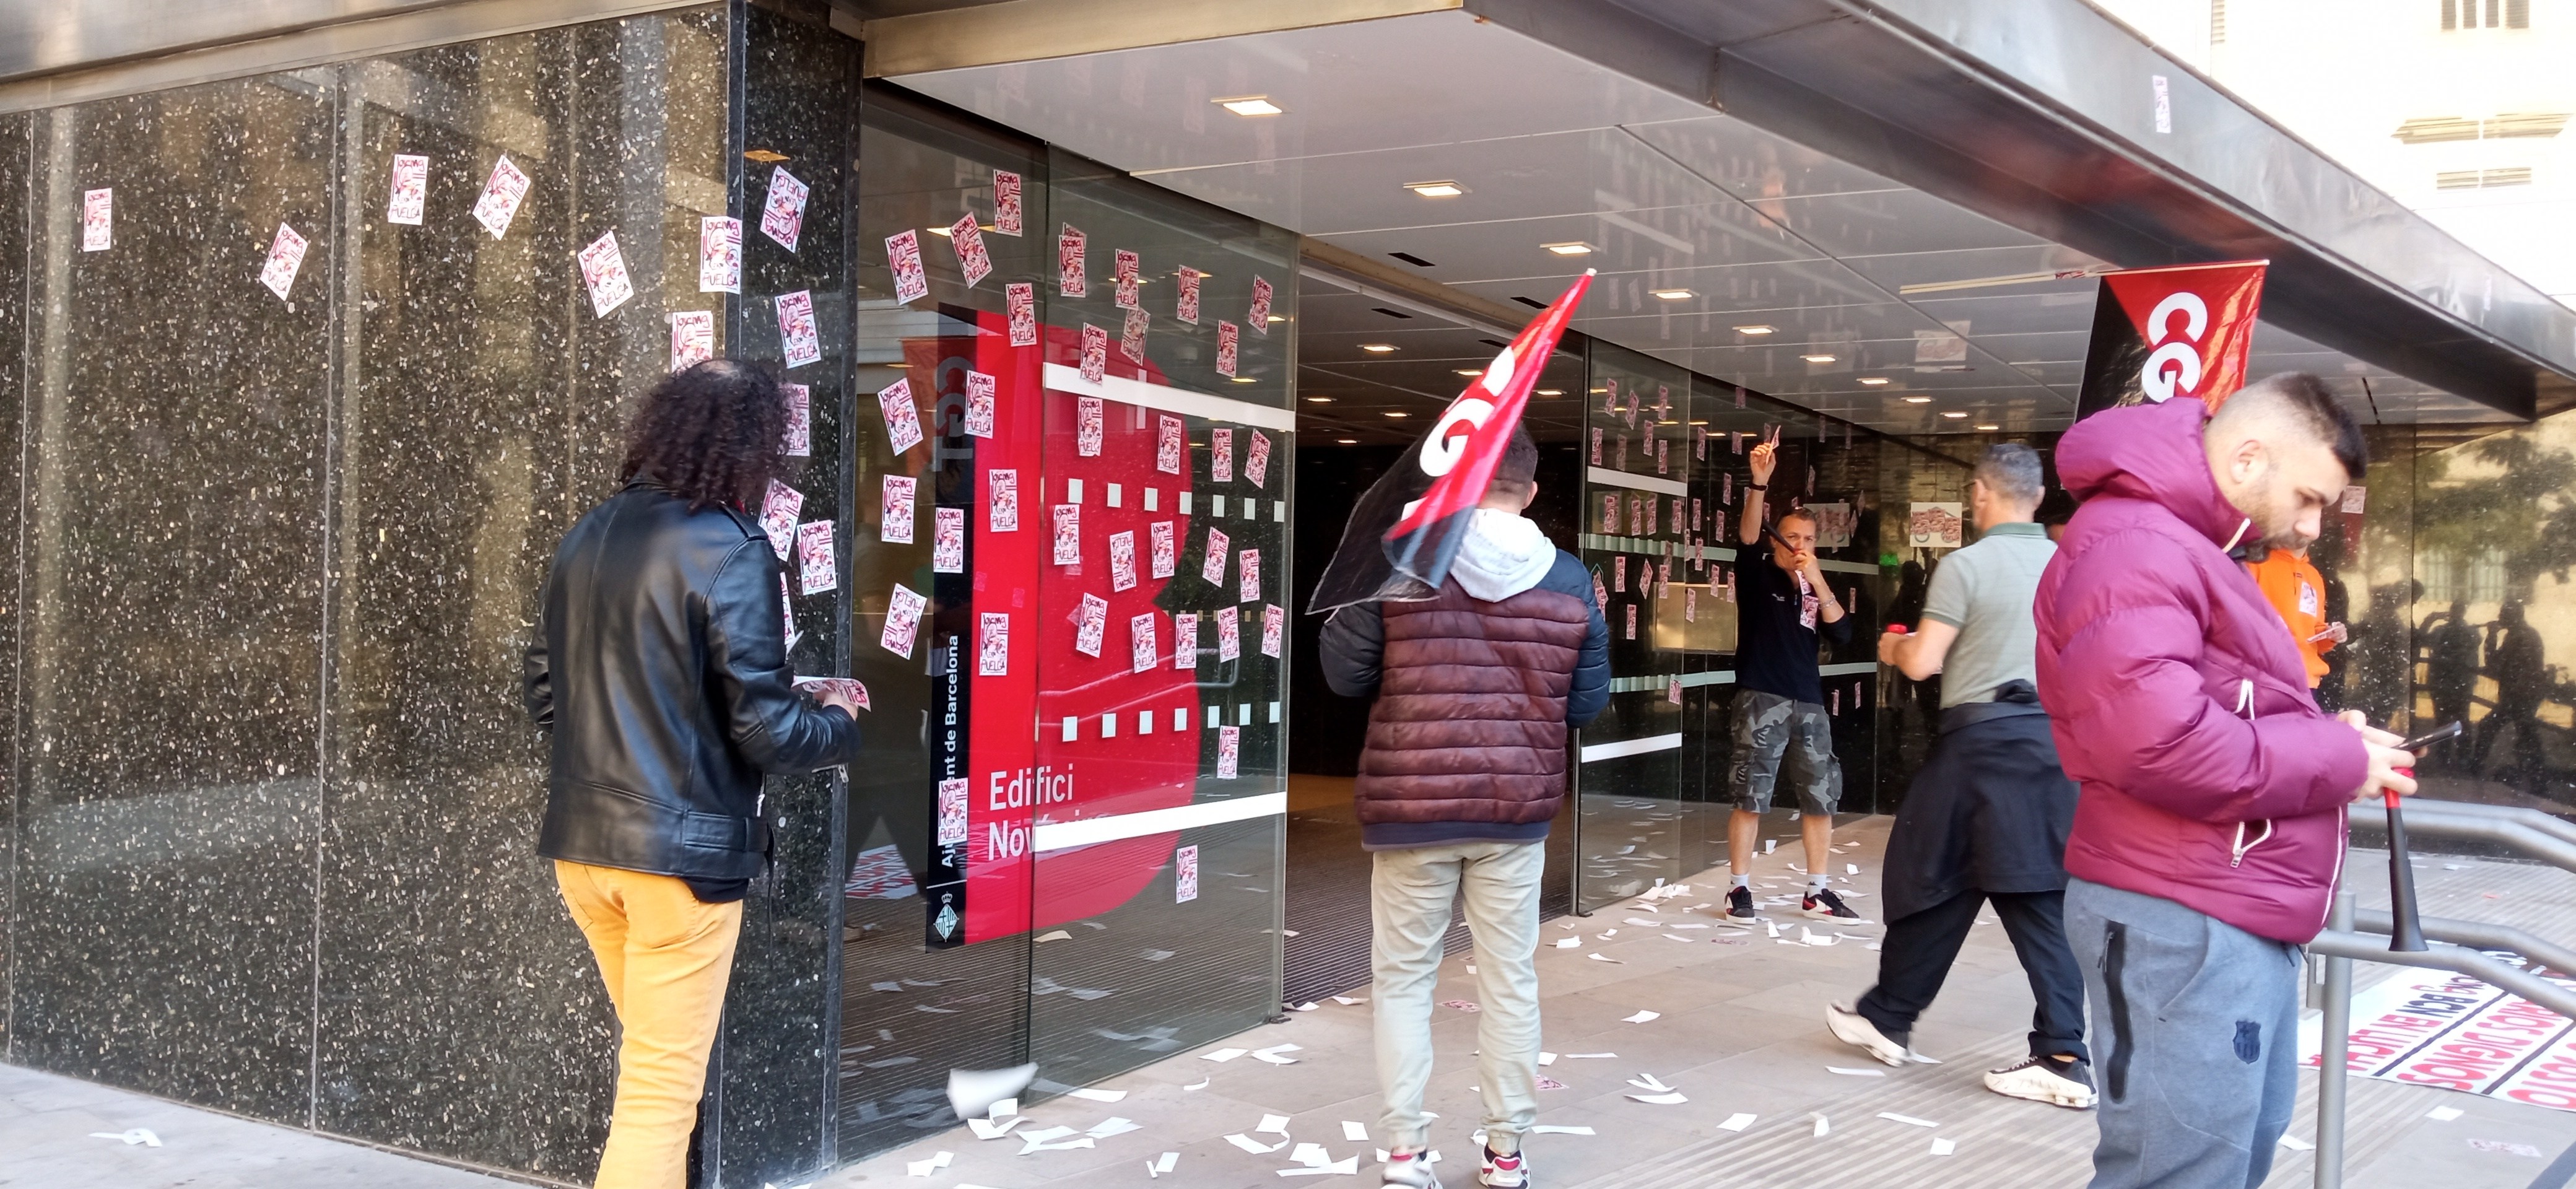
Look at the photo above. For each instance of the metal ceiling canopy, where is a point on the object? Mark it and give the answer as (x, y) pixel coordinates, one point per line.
(2041, 114)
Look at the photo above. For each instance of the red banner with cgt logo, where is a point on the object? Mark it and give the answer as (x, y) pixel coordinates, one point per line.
(2159, 333)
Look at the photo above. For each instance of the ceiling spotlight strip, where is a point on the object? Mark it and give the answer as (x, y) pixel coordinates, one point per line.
(2026, 278)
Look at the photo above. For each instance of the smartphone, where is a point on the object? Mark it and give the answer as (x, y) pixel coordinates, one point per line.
(2449, 730)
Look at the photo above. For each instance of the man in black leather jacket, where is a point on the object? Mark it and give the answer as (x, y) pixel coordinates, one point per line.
(660, 669)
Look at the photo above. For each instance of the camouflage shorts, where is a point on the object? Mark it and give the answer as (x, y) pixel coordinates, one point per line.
(1774, 735)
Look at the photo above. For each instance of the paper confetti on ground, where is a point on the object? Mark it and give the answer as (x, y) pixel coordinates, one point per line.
(1589, 1056)
(2443, 1114)
(1856, 1073)
(1823, 1128)
(1660, 1099)
(1354, 1132)
(1908, 1120)
(1642, 1017)
(1097, 1095)
(1944, 1147)
(1567, 943)
(1347, 1001)
(1273, 1124)
(1559, 1129)
(923, 1168)
(2296, 1144)
(1736, 1122)
(1057, 935)
(2493, 1145)
(1222, 1055)
(1599, 957)
(1274, 1054)
(1162, 1164)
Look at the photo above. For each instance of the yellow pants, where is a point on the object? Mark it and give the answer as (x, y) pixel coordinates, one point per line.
(665, 957)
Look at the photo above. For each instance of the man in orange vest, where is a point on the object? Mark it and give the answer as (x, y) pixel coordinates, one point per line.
(2293, 586)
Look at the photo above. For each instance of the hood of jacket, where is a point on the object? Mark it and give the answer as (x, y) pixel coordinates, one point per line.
(1503, 555)
(2153, 453)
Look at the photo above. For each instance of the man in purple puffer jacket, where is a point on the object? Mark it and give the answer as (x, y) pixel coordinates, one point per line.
(2210, 828)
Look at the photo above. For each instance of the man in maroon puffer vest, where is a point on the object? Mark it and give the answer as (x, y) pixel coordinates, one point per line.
(2209, 828)
(1462, 771)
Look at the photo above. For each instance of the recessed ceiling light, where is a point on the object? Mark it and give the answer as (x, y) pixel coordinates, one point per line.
(1569, 248)
(1439, 189)
(1249, 105)
(1319, 400)
(1398, 413)
(1551, 392)
(1873, 381)
(1377, 348)
(1756, 329)
(1247, 379)
(1955, 415)
(1918, 400)
(1348, 441)
(1674, 294)
(1817, 358)
(1469, 371)
(1989, 428)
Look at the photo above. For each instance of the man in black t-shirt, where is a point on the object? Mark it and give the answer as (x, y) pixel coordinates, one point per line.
(1782, 606)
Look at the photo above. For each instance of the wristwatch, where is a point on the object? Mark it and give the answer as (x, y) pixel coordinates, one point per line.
(1757, 487)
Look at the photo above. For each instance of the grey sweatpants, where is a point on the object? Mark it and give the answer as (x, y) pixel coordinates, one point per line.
(2195, 1040)
(1410, 892)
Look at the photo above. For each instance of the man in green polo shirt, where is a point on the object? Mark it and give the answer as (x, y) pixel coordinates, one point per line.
(1986, 818)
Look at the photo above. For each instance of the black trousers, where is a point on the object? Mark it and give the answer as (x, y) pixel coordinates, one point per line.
(1915, 959)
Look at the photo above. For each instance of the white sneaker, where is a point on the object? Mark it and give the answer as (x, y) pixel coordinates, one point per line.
(1504, 1172)
(1409, 1169)
(2044, 1079)
(1854, 1029)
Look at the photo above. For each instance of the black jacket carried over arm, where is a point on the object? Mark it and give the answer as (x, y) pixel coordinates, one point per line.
(660, 667)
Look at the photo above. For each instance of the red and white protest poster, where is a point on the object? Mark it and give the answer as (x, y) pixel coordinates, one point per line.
(1169, 447)
(1131, 343)
(1091, 626)
(1095, 353)
(903, 257)
(1248, 586)
(895, 526)
(719, 254)
(502, 194)
(1256, 460)
(1122, 561)
(799, 341)
(1125, 272)
(1212, 567)
(798, 439)
(979, 405)
(1229, 635)
(1022, 300)
(1274, 622)
(1142, 651)
(782, 217)
(902, 417)
(286, 255)
(693, 338)
(1185, 640)
(1229, 752)
(1006, 203)
(1185, 875)
(98, 220)
(953, 827)
(816, 568)
(948, 541)
(1165, 549)
(408, 198)
(780, 508)
(1072, 275)
(1221, 455)
(1187, 309)
(903, 619)
(1228, 350)
(1087, 428)
(993, 644)
(1068, 535)
(1259, 318)
(1002, 501)
(972, 259)
(2437, 1028)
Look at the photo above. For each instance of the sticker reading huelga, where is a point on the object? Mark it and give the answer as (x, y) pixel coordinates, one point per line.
(408, 197)
(979, 404)
(1229, 752)
(1221, 455)
(1187, 308)
(719, 254)
(1068, 535)
(798, 439)
(816, 569)
(502, 194)
(1131, 340)
(1087, 426)
(952, 812)
(782, 217)
(972, 260)
(1094, 623)
(895, 526)
(1072, 279)
(1165, 548)
(1273, 623)
(779, 510)
(603, 269)
(1229, 635)
(285, 255)
(1022, 299)
(98, 220)
(1212, 567)
(903, 619)
(1142, 650)
(1006, 203)
(993, 644)
(948, 541)
(1259, 318)
(1002, 501)
(902, 419)
(1256, 460)
(1185, 640)
(1169, 448)
(1185, 875)
(798, 341)
(1227, 349)
(1124, 269)
(1095, 353)
(1122, 561)
(693, 338)
(903, 256)
(1248, 588)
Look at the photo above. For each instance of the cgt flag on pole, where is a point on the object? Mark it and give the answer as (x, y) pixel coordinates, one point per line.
(2159, 333)
(1407, 528)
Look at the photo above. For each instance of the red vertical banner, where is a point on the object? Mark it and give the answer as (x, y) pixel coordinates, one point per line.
(2159, 333)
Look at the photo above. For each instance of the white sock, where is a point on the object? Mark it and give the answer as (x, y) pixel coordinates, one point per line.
(1743, 881)
(1815, 883)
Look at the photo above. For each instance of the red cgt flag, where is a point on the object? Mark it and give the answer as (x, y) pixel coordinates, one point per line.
(2159, 333)
(1407, 528)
